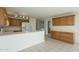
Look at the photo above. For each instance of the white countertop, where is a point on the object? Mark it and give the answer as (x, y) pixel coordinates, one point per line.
(12, 33)
(16, 41)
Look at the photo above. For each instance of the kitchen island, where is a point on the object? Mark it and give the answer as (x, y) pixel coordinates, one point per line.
(16, 41)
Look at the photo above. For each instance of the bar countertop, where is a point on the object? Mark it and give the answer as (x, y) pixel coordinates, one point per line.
(13, 33)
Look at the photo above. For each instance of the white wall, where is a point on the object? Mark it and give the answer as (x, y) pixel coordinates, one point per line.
(33, 23)
(64, 28)
(77, 27)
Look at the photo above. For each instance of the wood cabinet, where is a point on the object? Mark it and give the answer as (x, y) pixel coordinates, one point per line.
(15, 22)
(70, 20)
(63, 36)
(65, 20)
(55, 35)
(19, 22)
(3, 17)
(66, 36)
(12, 22)
(5, 20)
(55, 21)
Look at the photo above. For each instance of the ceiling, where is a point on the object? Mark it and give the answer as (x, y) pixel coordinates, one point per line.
(41, 12)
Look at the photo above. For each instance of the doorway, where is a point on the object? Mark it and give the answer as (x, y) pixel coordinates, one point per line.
(48, 27)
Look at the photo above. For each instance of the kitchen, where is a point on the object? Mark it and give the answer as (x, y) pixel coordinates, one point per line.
(18, 31)
(12, 22)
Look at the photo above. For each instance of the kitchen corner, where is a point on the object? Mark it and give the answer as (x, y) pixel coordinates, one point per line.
(15, 22)
(18, 32)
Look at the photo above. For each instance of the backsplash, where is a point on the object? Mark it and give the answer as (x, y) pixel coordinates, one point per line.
(11, 28)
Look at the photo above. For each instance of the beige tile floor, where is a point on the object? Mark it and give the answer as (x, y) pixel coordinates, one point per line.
(52, 45)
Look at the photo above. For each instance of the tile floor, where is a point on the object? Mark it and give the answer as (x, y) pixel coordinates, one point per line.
(52, 45)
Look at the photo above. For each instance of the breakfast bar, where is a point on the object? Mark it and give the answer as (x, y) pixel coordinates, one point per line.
(16, 41)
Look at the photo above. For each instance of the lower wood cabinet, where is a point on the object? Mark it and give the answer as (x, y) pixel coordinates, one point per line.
(63, 36)
(55, 35)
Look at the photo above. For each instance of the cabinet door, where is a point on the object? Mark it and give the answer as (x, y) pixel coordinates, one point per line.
(67, 37)
(13, 22)
(63, 36)
(55, 35)
(6, 17)
(70, 20)
(59, 21)
(63, 21)
(2, 18)
(19, 22)
(56, 21)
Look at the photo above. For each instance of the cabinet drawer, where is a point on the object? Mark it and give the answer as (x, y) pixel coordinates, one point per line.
(63, 36)
(68, 37)
(66, 34)
(55, 35)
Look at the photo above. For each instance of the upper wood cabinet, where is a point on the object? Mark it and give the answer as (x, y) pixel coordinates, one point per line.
(12, 22)
(70, 20)
(19, 22)
(3, 17)
(15, 22)
(63, 21)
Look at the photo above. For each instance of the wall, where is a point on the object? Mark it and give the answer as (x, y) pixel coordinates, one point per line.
(12, 28)
(46, 26)
(64, 28)
(77, 27)
(33, 23)
(19, 41)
